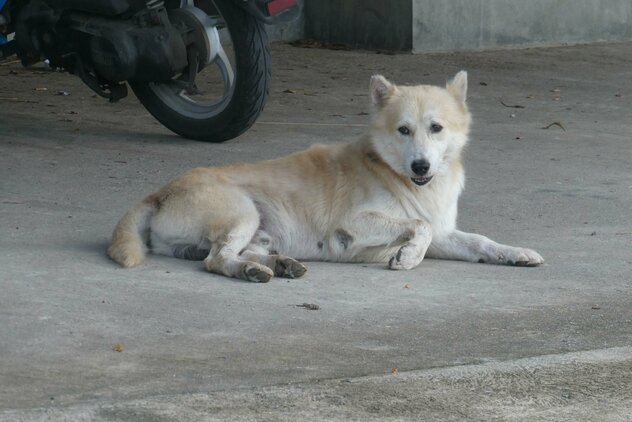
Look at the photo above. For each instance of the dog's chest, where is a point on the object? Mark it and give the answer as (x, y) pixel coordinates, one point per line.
(435, 204)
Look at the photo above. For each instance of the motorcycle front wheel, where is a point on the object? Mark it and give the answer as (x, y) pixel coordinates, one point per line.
(230, 90)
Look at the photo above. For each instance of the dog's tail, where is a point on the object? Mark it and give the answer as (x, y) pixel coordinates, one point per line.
(128, 245)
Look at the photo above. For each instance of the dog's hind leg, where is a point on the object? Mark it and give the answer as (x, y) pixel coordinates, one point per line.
(260, 250)
(225, 259)
(283, 266)
(228, 237)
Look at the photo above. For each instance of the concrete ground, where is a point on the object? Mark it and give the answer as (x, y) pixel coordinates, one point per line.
(82, 339)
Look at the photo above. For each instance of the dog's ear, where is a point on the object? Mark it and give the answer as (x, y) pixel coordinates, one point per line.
(458, 86)
(381, 90)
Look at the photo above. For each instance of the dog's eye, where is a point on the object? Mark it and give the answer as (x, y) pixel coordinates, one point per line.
(436, 128)
(403, 130)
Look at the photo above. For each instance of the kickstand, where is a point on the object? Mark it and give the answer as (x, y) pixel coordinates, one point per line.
(193, 58)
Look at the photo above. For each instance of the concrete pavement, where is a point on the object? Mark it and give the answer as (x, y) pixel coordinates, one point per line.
(196, 346)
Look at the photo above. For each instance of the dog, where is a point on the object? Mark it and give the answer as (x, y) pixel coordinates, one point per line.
(391, 196)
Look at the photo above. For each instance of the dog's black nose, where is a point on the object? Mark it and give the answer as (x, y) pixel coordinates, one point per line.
(420, 167)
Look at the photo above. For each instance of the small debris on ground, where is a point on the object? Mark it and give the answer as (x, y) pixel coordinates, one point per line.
(289, 91)
(41, 89)
(483, 83)
(407, 286)
(118, 347)
(394, 371)
(64, 93)
(511, 105)
(558, 124)
(309, 306)
(596, 307)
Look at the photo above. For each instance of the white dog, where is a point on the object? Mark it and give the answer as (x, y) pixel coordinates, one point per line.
(390, 196)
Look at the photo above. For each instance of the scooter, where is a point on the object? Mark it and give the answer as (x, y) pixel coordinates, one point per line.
(200, 67)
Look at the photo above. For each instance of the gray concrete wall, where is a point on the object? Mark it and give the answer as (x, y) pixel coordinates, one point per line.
(443, 25)
(474, 24)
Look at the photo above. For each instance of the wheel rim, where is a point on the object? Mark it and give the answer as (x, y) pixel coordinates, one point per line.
(206, 98)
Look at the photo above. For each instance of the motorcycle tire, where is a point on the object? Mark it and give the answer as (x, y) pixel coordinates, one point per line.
(252, 73)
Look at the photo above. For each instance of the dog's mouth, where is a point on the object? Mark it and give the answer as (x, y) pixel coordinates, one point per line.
(421, 180)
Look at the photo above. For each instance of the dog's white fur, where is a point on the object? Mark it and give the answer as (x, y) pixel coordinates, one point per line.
(357, 202)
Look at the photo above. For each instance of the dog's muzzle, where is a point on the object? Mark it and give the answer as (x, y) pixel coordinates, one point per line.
(420, 168)
(421, 180)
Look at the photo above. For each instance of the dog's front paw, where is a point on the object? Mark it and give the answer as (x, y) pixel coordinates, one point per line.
(406, 258)
(521, 257)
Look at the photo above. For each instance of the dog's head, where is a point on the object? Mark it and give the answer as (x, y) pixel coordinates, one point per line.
(419, 131)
